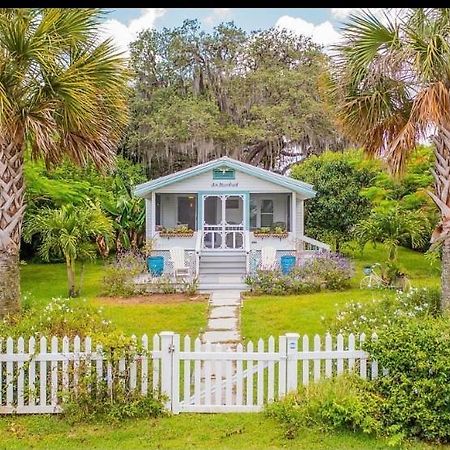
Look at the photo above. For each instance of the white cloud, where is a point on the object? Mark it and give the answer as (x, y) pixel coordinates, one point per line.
(323, 34)
(218, 14)
(381, 13)
(123, 34)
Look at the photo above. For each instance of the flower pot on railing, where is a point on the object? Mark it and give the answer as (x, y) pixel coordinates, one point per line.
(155, 265)
(169, 234)
(283, 235)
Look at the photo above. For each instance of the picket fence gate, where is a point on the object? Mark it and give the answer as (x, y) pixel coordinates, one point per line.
(202, 377)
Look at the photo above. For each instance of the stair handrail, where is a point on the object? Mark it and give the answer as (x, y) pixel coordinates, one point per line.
(198, 246)
(247, 251)
(314, 243)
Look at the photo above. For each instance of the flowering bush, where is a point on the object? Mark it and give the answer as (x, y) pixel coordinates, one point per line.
(323, 271)
(381, 314)
(327, 270)
(61, 317)
(118, 277)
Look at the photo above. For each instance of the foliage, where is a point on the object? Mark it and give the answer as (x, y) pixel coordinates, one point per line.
(391, 87)
(68, 183)
(179, 229)
(201, 95)
(382, 313)
(338, 179)
(118, 280)
(104, 405)
(60, 317)
(391, 227)
(52, 91)
(328, 270)
(324, 271)
(339, 403)
(416, 389)
(68, 232)
(118, 277)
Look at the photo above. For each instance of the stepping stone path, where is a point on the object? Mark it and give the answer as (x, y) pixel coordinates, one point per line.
(224, 315)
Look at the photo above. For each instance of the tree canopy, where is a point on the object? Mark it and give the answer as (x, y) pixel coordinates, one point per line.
(253, 96)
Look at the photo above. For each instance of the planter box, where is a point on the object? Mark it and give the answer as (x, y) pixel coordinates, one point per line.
(271, 235)
(169, 235)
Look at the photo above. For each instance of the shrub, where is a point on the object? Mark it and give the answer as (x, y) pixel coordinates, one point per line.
(94, 400)
(328, 270)
(339, 403)
(416, 389)
(338, 179)
(324, 271)
(118, 278)
(61, 317)
(382, 313)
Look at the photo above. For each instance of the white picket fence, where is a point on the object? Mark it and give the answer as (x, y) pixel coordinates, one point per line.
(195, 377)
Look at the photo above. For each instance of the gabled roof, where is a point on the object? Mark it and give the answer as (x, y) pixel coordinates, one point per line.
(305, 189)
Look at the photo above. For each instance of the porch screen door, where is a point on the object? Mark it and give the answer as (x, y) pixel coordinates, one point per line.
(223, 221)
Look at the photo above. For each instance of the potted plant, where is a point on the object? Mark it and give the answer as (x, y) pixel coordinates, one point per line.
(275, 231)
(155, 263)
(178, 231)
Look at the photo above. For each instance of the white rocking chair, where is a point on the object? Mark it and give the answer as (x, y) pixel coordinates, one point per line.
(268, 258)
(177, 256)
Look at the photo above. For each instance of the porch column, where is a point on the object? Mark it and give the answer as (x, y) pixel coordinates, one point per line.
(150, 216)
(300, 217)
(294, 214)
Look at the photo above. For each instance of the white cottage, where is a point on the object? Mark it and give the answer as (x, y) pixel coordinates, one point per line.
(223, 213)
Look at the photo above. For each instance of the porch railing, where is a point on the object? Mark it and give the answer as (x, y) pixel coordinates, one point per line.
(307, 244)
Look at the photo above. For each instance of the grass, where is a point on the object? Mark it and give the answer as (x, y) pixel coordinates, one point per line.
(186, 431)
(41, 282)
(263, 316)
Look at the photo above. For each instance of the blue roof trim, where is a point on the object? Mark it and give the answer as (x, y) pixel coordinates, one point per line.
(306, 189)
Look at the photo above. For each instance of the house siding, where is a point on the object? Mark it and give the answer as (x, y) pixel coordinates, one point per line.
(205, 182)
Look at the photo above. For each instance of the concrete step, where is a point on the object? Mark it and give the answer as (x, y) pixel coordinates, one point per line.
(209, 287)
(222, 277)
(222, 270)
(221, 260)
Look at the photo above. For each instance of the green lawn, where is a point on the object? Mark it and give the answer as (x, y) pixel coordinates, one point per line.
(186, 431)
(263, 316)
(41, 282)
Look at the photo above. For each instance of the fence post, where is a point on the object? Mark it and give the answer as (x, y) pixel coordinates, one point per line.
(167, 347)
(291, 366)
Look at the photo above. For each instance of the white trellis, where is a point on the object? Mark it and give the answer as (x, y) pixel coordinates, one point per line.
(195, 376)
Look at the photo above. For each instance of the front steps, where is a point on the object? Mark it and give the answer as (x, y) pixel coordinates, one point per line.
(222, 270)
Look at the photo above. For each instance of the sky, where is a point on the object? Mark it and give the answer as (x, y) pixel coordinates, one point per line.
(321, 24)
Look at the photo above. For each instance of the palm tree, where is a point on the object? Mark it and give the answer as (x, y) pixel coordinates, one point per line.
(68, 232)
(391, 227)
(62, 92)
(392, 88)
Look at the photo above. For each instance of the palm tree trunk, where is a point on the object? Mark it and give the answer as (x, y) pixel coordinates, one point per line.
(70, 267)
(441, 197)
(445, 277)
(11, 216)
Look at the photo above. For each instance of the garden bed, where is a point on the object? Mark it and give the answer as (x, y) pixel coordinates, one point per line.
(155, 299)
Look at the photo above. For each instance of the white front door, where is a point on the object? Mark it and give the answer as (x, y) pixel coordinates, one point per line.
(223, 221)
